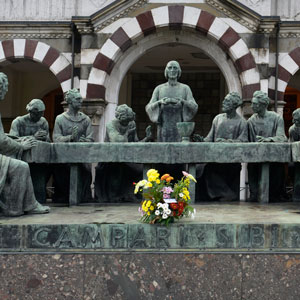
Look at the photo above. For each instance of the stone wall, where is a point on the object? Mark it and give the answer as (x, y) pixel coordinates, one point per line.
(134, 276)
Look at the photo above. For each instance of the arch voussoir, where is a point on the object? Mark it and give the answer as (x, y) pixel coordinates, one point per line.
(177, 16)
(288, 65)
(40, 52)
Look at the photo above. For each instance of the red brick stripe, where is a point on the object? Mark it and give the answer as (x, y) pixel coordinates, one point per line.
(8, 48)
(95, 91)
(248, 90)
(50, 57)
(121, 39)
(64, 74)
(30, 46)
(245, 63)
(146, 22)
(283, 74)
(229, 38)
(271, 94)
(204, 22)
(175, 16)
(295, 55)
(103, 63)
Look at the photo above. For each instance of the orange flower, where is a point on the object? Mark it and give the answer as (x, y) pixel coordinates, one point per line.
(165, 176)
(169, 179)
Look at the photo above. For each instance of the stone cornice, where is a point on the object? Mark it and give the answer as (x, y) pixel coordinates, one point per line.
(246, 16)
(117, 10)
(237, 12)
(290, 29)
(35, 30)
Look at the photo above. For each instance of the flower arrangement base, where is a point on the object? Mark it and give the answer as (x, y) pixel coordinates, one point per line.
(164, 202)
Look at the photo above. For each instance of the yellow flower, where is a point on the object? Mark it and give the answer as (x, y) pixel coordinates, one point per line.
(157, 181)
(190, 176)
(145, 208)
(148, 213)
(139, 185)
(152, 175)
(186, 192)
(149, 203)
(148, 184)
(151, 207)
(187, 181)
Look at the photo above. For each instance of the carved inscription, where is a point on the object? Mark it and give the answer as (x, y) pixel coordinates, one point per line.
(162, 237)
(274, 236)
(291, 237)
(139, 240)
(65, 240)
(40, 237)
(118, 237)
(140, 236)
(91, 239)
(257, 236)
(252, 236)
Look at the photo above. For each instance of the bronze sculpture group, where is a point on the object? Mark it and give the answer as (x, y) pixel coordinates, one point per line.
(171, 103)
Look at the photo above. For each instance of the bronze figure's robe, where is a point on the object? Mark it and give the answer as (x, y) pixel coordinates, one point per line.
(16, 190)
(222, 181)
(166, 116)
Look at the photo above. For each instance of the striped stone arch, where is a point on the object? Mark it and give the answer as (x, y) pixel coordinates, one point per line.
(40, 52)
(288, 65)
(173, 17)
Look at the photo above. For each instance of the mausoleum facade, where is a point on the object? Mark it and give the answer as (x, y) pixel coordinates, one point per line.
(115, 52)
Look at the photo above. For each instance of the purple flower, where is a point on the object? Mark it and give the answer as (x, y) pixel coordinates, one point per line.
(167, 190)
(141, 211)
(166, 196)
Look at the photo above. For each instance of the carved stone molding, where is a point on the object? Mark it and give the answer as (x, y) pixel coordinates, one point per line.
(24, 35)
(84, 27)
(35, 30)
(235, 16)
(124, 13)
(254, 3)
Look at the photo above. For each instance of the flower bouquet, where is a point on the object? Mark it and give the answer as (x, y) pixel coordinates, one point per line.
(163, 201)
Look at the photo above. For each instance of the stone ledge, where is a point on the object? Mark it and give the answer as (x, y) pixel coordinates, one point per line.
(149, 238)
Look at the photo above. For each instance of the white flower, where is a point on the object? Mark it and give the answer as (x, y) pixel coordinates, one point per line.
(181, 195)
(159, 205)
(164, 216)
(157, 212)
(168, 211)
(165, 206)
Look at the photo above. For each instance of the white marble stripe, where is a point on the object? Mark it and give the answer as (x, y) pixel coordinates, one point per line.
(191, 16)
(250, 77)
(217, 29)
(281, 85)
(238, 50)
(272, 83)
(132, 28)
(109, 49)
(59, 64)
(160, 16)
(289, 64)
(97, 76)
(19, 47)
(66, 85)
(40, 51)
(264, 85)
(83, 87)
(2, 55)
